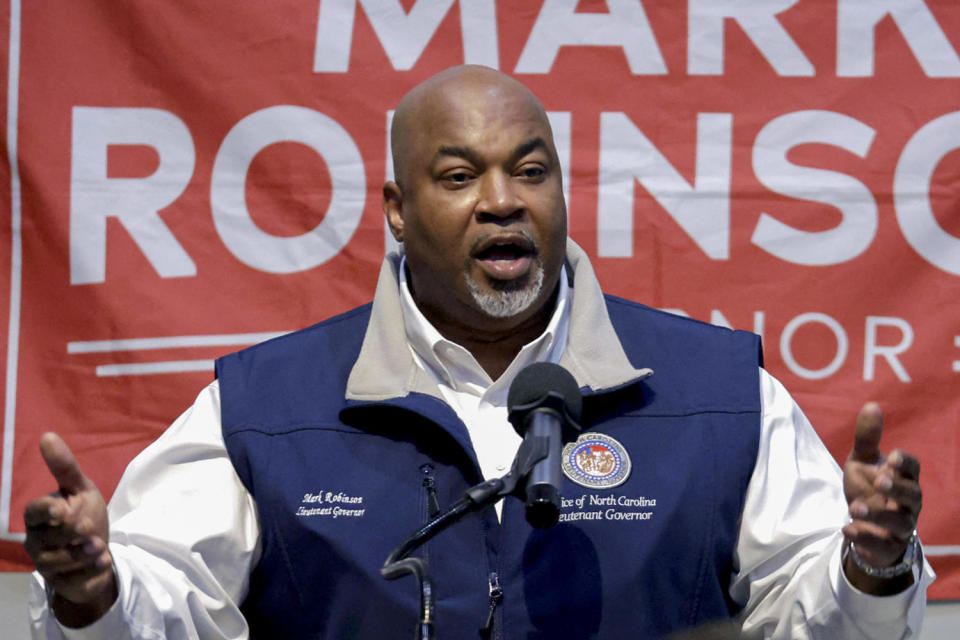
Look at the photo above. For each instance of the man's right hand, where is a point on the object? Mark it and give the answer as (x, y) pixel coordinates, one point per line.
(67, 533)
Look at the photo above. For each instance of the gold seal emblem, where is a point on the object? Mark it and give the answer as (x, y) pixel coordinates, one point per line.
(596, 461)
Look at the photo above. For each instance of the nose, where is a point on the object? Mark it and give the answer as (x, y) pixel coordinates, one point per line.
(499, 198)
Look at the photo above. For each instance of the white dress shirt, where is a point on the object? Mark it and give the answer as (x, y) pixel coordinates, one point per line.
(481, 403)
(184, 533)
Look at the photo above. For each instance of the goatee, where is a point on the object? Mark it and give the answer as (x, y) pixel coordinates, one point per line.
(507, 298)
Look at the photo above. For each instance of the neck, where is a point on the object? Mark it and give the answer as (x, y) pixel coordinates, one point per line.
(495, 342)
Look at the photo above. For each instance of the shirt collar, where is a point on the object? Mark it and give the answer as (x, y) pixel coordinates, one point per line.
(454, 366)
(386, 367)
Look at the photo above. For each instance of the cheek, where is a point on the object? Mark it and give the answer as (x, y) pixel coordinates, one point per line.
(437, 247)
(553, 223)
(440, 246)
(443, 230)
(553, 247)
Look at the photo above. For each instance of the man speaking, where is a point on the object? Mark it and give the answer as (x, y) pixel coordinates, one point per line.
(696, 492)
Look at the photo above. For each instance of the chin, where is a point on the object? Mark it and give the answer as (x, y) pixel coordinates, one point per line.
(510, 299)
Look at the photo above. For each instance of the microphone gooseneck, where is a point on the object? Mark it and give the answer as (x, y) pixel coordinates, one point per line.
(544, 404)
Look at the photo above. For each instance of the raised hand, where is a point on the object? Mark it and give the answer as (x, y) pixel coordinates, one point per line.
(884, 496)
(67, 533)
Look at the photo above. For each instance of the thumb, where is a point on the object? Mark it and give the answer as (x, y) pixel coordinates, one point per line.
(62, 465)
(866, 439)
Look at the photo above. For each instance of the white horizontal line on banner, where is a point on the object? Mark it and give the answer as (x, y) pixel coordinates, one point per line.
(13, 537)
(170, 342)
(150, 368)
(942, 550)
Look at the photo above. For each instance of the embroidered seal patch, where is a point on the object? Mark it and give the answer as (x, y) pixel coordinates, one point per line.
(596, 461)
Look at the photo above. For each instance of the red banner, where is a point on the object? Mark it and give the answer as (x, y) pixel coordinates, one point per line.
(187, 180)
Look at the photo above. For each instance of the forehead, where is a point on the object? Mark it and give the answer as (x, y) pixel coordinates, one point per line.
(488, 118)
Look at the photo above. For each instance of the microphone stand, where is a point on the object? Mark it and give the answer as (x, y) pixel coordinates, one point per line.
(478, 497)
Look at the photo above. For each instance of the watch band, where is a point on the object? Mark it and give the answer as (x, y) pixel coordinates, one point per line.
(902, 567)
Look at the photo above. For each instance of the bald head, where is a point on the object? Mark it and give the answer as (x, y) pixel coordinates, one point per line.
(426, 103)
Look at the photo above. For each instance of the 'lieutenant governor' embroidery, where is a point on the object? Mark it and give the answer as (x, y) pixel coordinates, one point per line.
(331, 505)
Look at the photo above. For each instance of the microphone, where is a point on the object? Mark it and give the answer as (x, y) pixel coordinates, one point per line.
(544, 402)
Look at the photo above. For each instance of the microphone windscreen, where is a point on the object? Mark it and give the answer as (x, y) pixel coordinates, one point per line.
(536, 381)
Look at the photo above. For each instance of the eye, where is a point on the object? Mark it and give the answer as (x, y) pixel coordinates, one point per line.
(457, 178)
(533, 172)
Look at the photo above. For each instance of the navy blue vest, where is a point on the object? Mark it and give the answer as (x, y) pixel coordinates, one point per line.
(339, 484)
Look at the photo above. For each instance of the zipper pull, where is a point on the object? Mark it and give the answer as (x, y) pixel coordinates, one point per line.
(430, 484)
(496, 596)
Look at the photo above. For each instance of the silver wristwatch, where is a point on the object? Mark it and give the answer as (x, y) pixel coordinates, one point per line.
(910, 558)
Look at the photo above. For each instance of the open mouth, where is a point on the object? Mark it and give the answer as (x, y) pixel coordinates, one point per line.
(505, 257)
(503, 252)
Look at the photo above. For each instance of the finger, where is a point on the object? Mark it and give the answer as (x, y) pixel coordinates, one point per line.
(46, 538)
(887, 525)
(62, 464)
(63, 560)
(874, 544)
(70, 527)
(861, 476)
(860, 487)
(48, 510)
(906, 464)
(866, 439)
(859, 509)
(869, 507)
(905, 494)
(51, 515)
(864, 531)
(82, 585)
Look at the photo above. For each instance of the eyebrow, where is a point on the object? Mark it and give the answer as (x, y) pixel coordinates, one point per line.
(524, 148)
(527, 147)
(466, 153)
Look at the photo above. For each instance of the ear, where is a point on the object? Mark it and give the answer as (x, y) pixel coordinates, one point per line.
(393, 209)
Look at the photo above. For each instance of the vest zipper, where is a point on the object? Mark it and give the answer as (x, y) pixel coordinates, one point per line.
(430, 485)
(496, 596)
(429, 503)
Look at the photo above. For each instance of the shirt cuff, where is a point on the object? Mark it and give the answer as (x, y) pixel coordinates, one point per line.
(45, 625)
(110, 625)
(906, 606)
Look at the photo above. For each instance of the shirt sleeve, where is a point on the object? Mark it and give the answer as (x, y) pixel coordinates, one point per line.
(788, 574)
(184, 536)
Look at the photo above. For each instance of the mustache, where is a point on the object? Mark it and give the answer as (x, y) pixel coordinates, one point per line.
(519, 239)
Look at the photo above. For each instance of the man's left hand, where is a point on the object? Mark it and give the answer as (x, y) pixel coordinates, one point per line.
(884, 497)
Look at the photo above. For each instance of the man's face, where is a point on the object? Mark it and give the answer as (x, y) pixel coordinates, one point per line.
(480, 206)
